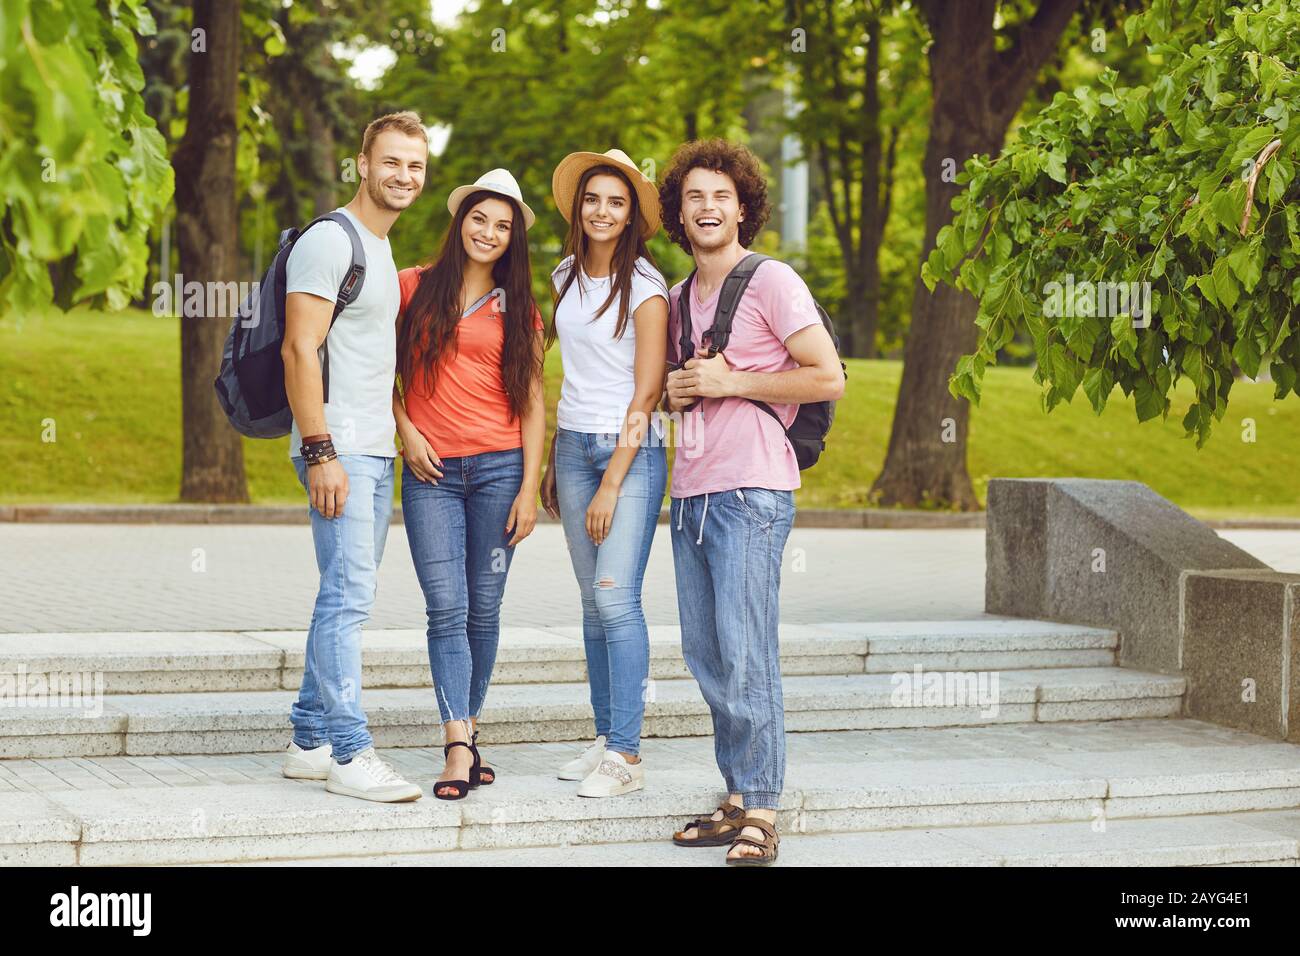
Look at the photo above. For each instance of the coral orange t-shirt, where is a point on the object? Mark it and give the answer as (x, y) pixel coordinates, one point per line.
(468, 412)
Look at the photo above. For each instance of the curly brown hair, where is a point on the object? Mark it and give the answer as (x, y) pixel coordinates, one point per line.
(733, 159)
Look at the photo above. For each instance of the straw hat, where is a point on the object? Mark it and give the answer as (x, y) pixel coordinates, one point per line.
(564, 183)
(495, 181)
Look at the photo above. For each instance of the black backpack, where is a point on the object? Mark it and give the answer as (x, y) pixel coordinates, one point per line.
(807, 433)
(250, 385)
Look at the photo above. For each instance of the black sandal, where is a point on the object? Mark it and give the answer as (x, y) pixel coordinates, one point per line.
(463, 787)
(481, 767)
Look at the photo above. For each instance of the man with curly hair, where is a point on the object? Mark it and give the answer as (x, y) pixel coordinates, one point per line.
(733, 481)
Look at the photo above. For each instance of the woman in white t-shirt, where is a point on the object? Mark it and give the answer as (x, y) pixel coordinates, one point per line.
(608, 467)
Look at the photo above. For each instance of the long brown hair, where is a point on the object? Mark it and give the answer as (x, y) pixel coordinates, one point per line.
(427, 332)
(631, 247)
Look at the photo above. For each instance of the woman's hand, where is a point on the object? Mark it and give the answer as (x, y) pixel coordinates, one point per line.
(600, 513)
(523, 516)
(419, 454)
(550, 499)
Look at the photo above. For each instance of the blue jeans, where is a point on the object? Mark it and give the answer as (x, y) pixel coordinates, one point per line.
(609, 576)
(727, 551)
(348, 550)
(456, 530)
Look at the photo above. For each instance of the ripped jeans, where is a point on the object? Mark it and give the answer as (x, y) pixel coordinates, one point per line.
(456, 530)
(609, 576)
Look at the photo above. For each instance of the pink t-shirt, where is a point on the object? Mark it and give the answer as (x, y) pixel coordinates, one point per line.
(728, 443)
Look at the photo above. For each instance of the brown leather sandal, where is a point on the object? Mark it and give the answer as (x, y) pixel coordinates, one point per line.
(768, 844)
(712, 832)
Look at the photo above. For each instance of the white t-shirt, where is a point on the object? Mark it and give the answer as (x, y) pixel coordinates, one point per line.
(363, 341)
(599, 370)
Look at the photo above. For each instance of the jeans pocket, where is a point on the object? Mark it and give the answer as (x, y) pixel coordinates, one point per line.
(758, 503)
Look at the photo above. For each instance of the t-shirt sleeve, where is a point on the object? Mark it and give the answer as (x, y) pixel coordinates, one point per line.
(646, 284)
(407, 280)
(787, 304)
(561, 272)
(319, 261)
(674, 324)
(538, 325)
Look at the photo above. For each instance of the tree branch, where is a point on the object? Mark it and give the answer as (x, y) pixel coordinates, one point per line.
(1016, 67)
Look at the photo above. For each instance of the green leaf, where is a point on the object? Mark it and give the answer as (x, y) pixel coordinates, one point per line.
(1098, 383)
(928, 277)
(1227, 205)
(1132, 28)
(1207, 286)
(1147, 401)
(1135, 107)
(1225, 286)
(1246, 351)
(1193, 366)
(1245, 260)
(1055, 166)
(1161, 258)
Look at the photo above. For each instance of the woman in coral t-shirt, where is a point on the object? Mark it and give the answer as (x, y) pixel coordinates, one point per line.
(471, 417)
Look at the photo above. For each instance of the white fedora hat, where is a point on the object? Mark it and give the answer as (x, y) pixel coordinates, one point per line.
(496, 181)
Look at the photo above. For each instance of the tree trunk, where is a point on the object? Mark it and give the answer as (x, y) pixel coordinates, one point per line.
(864, 279)
(977, 91)
(321, 133)
(319, 127)
(858, 316)
(212, 468)
(926, 462)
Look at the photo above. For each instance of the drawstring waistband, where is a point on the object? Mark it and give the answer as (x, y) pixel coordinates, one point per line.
(681, 516)
(703, 514)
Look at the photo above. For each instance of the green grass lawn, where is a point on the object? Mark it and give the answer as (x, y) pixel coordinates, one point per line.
(111, 386)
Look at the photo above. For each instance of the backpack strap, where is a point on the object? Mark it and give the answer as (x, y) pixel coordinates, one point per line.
(685, 347)
(349, 288)
(719, 334)
(733, 287)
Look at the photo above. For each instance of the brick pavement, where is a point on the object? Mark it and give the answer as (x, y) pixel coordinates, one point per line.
(104, 577)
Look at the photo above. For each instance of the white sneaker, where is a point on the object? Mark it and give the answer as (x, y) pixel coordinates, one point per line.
(613, 776)
(370, 778)
(306, 764)
(581, 766)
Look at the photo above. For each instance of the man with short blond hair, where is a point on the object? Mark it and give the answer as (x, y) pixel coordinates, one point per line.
(343, 450)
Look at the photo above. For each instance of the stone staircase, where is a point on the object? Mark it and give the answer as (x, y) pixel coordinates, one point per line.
(1066, 759)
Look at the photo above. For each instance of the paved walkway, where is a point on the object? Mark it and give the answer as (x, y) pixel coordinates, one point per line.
(100, 577)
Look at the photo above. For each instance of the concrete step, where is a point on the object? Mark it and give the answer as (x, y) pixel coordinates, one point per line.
(1239, 839)
(252, 721)
(1051, 793)
(155, 662)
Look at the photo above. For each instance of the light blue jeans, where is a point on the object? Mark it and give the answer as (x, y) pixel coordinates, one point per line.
(456, 530)
(610, 575)
(348, 551)
(727, 552)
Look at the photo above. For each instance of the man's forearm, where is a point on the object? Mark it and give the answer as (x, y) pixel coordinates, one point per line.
(306, 392)
(797, 386)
